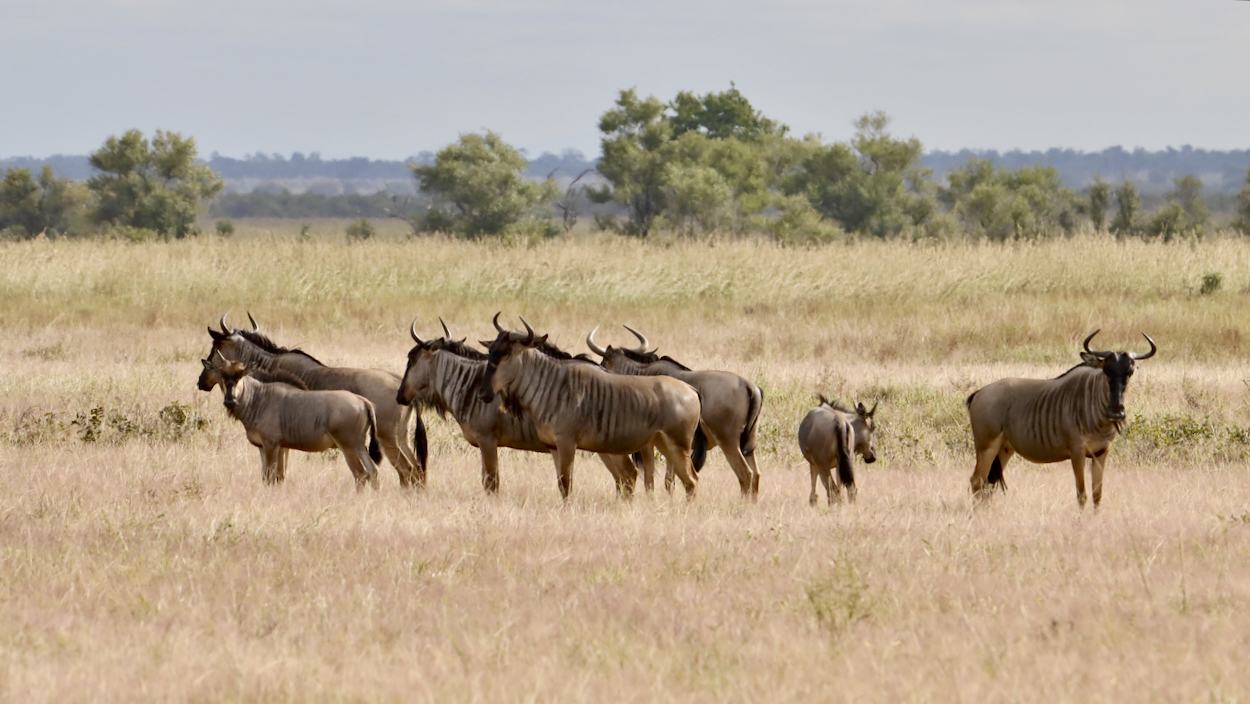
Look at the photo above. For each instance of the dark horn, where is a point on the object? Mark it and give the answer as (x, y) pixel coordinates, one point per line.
(529, 330)
(446, 334)
(643, 342)
(590, 342)
(1153, 348)
(252, 320)
(1094, 352)
(225, 328)
(413, 331)
(495, 320)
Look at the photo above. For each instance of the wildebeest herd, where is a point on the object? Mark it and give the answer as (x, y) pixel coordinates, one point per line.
(525, 393)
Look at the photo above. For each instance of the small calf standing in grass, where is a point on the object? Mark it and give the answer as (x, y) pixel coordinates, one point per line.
(279, 416)
(830, 434)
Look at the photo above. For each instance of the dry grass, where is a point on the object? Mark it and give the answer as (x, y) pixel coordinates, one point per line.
(150, 563)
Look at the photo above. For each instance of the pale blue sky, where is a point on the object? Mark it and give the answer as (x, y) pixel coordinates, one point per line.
(389, 78)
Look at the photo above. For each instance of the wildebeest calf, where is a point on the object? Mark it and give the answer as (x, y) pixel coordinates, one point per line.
(830, 434)
(279, 417)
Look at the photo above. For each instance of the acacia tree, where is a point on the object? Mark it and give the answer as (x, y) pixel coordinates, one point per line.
(635, 148)
(480, 185)
(1099, 200)
(155, 186)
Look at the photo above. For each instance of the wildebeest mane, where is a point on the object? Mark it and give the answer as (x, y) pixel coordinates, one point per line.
(458, 348)
(262, 341)
(652, 358)
(556, 353)
(1082, 364)
(835, 405)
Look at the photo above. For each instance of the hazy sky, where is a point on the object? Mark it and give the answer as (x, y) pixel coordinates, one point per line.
(389, 78)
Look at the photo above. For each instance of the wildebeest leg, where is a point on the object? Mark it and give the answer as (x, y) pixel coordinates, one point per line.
(755, 473)
(677, 458)
(738, 463)
(1095, 475)
(1078, 469)
(490, 464)
(623, 472)
(995, 477)
(393, 447)
(353, 456)
(986, 453)
(811, 500)
(282, 458)
(269, 457)
(564, 467)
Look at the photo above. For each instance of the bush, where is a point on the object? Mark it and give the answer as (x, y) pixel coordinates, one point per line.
(359, 230)
(1211, 282)
(225, 228)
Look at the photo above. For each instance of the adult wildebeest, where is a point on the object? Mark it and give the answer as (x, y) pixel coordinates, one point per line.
(279, 417)
(445, 375)
(1072, 417)
(259, 353)
(831, 434)
(731, 404)
(583, 406)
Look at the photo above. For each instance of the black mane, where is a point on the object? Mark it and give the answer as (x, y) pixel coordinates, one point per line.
(835, 405)
(652, 358)
(556, 353)
(263, 342)
(458, 348)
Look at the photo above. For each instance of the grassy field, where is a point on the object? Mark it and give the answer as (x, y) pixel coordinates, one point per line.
(143, 559)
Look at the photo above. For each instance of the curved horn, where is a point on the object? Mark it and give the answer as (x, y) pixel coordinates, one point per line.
(529, 330)
(495, 320)
(1153, 348)
(590, 342)
(225, 328)
(1094, 352)
(874, 407)
(413, 331)
(446, 334)
(643, 342)
(218, 353)
(252, 320)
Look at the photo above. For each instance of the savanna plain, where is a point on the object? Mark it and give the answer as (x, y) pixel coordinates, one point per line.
(142, 558)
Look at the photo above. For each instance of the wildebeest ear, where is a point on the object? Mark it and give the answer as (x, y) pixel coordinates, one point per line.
(206, 364)
(486, 343)
(1092, 360)
(216, 335)
(823, 401)
(860, 409)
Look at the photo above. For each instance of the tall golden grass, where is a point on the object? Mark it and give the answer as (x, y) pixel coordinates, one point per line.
(144, 560)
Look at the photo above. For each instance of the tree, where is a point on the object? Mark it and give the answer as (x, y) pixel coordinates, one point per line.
(721, 116)
(1127, 204)
(155, 186)
(1099, 201)
(999, 204)
(635, 137)
(1243, 208)
(29, 205)
(480, 182)
(1187, 193)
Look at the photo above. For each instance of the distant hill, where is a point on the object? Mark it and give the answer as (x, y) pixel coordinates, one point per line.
(1221, 172)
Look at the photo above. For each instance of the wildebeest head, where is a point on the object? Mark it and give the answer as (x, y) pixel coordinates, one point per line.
(864, 425)
(420, 371)
(227, 341)
(219, 370)
(626, 360)
(501, 359)
(1118, 368)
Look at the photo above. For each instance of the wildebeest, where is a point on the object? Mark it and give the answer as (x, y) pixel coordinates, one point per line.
(280, 417)
(583, 406)
(1072, 417)
(731, 404)
(445, 375)
(258, 352)
(831, 434)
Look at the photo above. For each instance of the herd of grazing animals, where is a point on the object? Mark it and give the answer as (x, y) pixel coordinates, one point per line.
(525, 393)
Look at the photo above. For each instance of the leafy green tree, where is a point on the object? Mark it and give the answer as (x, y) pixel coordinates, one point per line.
(480, 183)
(635, 149)
(1000, 204)
(152, 186)
(1127, 204)
(727, 115)
(1099, 200)
(1187, 193)
(30, 205)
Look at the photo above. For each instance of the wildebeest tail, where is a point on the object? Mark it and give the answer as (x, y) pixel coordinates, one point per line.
(698, 453)
(996, 475)
(969, 401)
(375, 450)
(637, 458)
(846, 457)
(420, 444)
(755, 401)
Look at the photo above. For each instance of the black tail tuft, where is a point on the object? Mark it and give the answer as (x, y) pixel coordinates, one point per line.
(637, 458)
(969, 401)
(420, 444)
(996, 475)
(747, 441)
(375, 450)
(846, 470)
(698, 454)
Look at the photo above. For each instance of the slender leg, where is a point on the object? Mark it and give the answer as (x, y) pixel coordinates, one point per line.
(677, 458)
(1078, 470)
(755, 474)
(357, 468)
(746, 477)
(811, 500)
(490, 465)
(1095, 475)
(985, 459)
(833, 491)
(564, 468)
(268, 458)
(623, 472)
(282, 458)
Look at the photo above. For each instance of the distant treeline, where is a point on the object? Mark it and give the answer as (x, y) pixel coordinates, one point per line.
(1152, 172)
